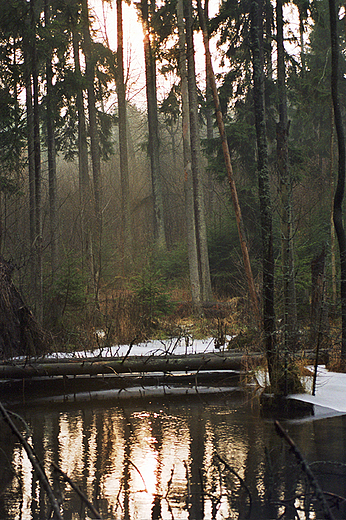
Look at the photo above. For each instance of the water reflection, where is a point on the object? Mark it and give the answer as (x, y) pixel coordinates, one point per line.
(186, 459)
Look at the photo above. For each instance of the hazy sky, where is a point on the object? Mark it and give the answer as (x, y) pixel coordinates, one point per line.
(133, 47)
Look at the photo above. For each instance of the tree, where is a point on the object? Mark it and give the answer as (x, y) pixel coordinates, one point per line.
(285, 193)
(153, 127)
(50, 124)
(264, 190)
(212, 84)
(196, 164)
(124, 165)
(34, 154)
(94, 146)
(340, 188)
(188, 184)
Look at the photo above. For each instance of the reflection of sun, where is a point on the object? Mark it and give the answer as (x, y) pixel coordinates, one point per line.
(151, 457)
(22, 467)
(70, 441)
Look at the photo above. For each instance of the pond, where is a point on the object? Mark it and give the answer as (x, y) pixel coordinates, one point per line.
(196, 456)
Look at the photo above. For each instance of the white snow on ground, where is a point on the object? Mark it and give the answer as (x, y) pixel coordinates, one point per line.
(330, 391)
(181, 346)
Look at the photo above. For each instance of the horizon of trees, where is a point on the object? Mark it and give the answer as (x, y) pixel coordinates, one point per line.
(95, 189)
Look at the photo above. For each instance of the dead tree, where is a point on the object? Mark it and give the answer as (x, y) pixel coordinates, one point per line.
(20, 333)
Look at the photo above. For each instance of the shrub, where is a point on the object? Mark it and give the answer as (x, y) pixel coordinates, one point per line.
(151, 295)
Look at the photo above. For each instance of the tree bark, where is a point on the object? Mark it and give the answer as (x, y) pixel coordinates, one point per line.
(201, 229)
(83, 164)
(264, 188)
(124, 165)
(340, 188)
(94, 147)
(285, 193)
(153, 127)
(52, 180)
(32, 92)
(30, 147)
(188, 184)
(131, 364)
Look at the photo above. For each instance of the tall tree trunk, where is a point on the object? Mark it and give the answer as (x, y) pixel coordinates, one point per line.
(264, 188)
(124, 165)
(340, 188)
(34, 150)
(52, 181)
(94, 147)
(302, 17)
(196, 162)
(285, 187)
(83, 166)
(31, 159)
(188, 184)
(209, 121)
(153, 127)
(38, 195)
(227, 158)
(332, 229)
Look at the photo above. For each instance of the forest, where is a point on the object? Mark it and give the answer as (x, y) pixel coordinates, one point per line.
(221, 198)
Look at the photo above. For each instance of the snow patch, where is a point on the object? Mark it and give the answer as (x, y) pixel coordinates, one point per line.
(330, 391)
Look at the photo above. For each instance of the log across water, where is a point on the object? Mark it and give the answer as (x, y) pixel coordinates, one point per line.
(123, 365)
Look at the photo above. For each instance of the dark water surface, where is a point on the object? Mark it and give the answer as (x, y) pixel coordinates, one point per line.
(183, 457)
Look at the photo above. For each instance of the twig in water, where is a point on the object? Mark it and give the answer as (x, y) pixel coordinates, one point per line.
(78, 491)
(169, 483)
(139, 473)
(188, 484)
(35, 463)
(307, 470)
(118, 497)
(242, 482)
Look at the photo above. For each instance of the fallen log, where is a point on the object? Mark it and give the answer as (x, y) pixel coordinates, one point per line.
(123, 365)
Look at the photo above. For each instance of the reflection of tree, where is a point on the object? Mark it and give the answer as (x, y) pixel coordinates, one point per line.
(329, 466)
(125, 481)
(157, 445)
(196, 423)
(103, 451)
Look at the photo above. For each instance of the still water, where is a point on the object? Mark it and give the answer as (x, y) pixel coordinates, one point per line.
(193, 457)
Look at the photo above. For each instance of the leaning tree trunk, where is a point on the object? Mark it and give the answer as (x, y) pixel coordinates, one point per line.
(228, 163)
(340, 188)
(264, 189)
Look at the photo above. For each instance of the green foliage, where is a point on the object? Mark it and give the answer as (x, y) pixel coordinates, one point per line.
(172, 265)
(12, 133)
(69, 288)
(170, 106)
(224, 259)
(152, 296)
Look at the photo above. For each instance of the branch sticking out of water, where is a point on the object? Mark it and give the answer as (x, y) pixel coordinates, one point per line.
(242, 482)
(307, 470)
(78, 491)
(35, 463)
